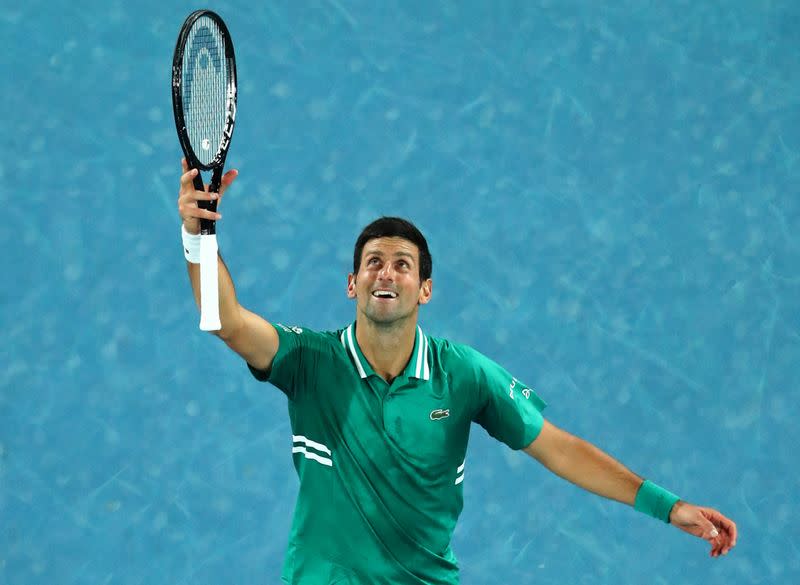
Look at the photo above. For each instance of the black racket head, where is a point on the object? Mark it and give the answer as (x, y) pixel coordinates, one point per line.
(204, 89)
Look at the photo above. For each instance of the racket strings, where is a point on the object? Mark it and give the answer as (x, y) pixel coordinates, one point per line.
(205, 88)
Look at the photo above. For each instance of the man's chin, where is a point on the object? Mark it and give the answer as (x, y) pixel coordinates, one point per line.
(387, 318)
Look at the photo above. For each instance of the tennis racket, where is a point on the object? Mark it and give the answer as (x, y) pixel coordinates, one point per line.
(204, 103)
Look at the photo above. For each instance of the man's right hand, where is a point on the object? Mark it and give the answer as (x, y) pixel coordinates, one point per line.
(188, 196)
(249, 335)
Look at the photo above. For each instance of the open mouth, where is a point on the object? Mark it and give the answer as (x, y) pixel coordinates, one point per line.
(384, 294)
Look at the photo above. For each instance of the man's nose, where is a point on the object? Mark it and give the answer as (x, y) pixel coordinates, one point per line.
(386, 272)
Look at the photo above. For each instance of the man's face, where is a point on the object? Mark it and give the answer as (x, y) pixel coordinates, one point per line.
(387, 287)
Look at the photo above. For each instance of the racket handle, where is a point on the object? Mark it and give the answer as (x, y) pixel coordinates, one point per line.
(198, 182)
(207, 226)
(209, 284)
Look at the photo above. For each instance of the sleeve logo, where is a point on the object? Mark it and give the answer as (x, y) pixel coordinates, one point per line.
(292, 329)
(526, 392)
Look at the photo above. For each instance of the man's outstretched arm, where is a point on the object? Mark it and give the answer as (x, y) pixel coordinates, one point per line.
(588, 467)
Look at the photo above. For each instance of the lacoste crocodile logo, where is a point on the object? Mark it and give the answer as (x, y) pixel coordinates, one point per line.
(440, 413)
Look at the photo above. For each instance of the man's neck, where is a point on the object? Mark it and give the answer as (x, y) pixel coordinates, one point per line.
(387, 348)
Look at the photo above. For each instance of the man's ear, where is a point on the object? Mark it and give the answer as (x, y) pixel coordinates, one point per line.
(351, 286)
(425, 291)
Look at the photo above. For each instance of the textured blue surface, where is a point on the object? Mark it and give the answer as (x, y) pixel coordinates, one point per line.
(611, 197)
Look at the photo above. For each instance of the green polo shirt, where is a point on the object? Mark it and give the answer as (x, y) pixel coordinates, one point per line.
(382, 466)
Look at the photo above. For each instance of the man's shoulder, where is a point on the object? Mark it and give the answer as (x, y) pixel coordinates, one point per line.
(452, 353)
(309, 336)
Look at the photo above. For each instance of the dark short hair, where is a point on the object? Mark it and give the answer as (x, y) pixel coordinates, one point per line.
(395, 227)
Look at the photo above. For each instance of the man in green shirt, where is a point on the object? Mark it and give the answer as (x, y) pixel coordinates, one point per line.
(381, 413)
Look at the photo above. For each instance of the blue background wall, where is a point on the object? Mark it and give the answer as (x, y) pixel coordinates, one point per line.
(611, 197)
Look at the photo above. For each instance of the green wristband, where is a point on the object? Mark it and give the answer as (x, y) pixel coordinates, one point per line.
(655, 501)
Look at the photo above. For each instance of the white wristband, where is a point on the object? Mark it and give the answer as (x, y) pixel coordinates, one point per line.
(191, 246)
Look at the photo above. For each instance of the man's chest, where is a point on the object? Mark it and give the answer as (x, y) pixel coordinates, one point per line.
(423, 423)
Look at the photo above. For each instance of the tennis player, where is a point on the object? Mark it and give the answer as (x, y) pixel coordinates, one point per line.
(381, 412)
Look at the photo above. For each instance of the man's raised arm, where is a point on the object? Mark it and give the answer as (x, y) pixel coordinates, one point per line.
(244, 332)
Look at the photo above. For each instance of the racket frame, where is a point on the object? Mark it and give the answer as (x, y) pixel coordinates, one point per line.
(207, 226)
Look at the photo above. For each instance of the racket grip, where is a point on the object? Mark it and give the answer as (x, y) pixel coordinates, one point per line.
(209, 284)
(207, 226)
(198, 182)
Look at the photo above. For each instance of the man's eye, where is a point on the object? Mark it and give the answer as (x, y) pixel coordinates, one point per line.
(372, 261)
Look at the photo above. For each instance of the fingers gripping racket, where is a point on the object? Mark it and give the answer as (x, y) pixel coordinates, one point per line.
(204, 103)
